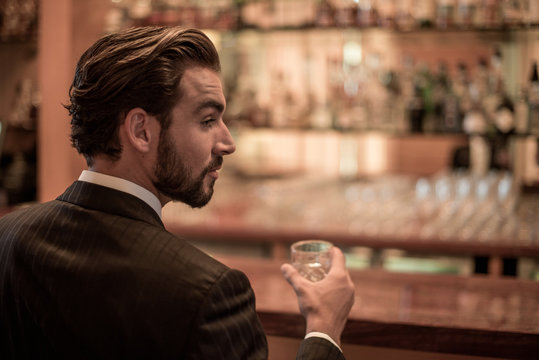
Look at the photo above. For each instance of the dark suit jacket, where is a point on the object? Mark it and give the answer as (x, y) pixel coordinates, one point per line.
(95, 275)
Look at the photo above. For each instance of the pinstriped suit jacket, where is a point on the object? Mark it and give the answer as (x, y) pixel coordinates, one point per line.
(95, 275)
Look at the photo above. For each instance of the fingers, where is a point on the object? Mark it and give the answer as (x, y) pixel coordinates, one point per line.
(292, 275)
(338, 261)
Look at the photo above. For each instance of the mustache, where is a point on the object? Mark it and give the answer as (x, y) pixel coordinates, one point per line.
(214, 164)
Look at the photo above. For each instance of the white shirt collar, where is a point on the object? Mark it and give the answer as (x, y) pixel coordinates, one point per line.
(122, 185)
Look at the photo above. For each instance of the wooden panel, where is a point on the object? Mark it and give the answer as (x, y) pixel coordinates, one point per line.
(242, 233)
(425, 155)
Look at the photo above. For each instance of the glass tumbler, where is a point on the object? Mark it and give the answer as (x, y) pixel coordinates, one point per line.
(311, 258)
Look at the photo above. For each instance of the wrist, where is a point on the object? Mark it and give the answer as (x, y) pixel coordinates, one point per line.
(328, 329)
(323, 336)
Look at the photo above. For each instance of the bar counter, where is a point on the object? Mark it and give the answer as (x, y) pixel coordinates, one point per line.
(280, 239)
(494, 220)
(472, 316)
(468, 315)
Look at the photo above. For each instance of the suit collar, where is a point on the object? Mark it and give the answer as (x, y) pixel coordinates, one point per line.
(122, 185)
(101, 198)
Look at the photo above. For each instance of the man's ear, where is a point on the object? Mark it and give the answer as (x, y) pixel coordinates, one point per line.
(140, 129)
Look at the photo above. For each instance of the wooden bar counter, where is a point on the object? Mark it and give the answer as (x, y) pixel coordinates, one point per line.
(473, 316)
(275, 213)
(488, 316)
(236, 232)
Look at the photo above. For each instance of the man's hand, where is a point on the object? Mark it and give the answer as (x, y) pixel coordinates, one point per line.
(324, 304)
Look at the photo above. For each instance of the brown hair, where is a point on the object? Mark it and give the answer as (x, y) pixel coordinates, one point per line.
(138, 67)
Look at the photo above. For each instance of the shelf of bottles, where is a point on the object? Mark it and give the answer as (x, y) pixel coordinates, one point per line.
(402, 15)
(395, 67)
(333, 75)
(386, 67)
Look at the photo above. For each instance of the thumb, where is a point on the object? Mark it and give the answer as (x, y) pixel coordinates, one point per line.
(292, 275)
(338, 260)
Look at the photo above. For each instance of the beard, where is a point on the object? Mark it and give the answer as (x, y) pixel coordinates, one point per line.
(175, 178)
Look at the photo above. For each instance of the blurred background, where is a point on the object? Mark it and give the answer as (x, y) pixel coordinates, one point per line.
(405, 131)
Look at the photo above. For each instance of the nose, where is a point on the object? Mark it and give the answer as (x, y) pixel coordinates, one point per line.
(225, 144)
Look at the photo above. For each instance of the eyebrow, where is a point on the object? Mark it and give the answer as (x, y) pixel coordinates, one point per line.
(210, 104)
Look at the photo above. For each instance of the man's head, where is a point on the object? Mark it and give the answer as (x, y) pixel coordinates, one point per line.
(139, 67)
(147, 105)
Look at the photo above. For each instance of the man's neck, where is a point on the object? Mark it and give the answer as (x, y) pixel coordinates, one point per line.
(124, 185)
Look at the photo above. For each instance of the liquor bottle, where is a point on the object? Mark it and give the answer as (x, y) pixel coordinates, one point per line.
(116, 18)
(504, 129)
(461, 89)
(479, 84)
(489, 14)
(452, 116)
(416, 111)
(325, 14)
(533, 101)
(345, 13)
(471, 94)
(394, 104)
(530, 11)
(222, 14)
(141, 13)
(386, 13)
(293, 13)
(475, 125)
(424, 13)
(504, 120)
(424, 81)
(492, 88)
(466, 12)
(445, 13)
(512, 12)
(521, 111)
(403, 15)
(440, 93)
(367, 14)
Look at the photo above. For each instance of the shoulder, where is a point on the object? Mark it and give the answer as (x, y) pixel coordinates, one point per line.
(26, 215)
(171, 253)
(26, 209)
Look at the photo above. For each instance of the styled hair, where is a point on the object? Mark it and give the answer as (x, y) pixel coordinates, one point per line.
(139, 67)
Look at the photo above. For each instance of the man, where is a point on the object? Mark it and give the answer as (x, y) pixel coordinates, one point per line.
(94, 274)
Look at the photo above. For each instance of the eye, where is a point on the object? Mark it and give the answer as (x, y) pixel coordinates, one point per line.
(208, 123)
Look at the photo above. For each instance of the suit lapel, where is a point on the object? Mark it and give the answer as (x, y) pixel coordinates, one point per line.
(104, 199)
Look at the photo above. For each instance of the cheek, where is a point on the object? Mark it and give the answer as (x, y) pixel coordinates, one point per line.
(193, 145)
(195, 153)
